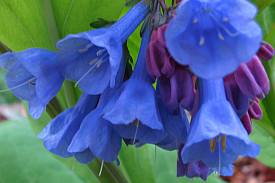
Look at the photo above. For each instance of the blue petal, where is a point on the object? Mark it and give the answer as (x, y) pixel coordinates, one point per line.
(7, 61)
(41, 64)
(214, 118)
(97, 135)
(58, 134)
(18, 76)
(143, 134)
(85, 157)
(227, 43)
(92, 79)
(78, 51)
(175, 125)
(134, 100)
(169, 143)
(35, 108)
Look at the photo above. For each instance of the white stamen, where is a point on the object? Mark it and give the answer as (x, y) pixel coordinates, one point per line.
(219, 158)
(83, 50)
(89, 45)
(220, 36)
(195, 21)
(202, 41)
(219, 138)
(224, 28)
(101, 168)
(99, 63)
(94, 61)
(155, 155)
(73, 165)
(225, 20)
(84, 75)
(100, 52)
(136, 132)
(17, 86)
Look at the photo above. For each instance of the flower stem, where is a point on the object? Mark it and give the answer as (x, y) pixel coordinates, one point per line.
(54, 36)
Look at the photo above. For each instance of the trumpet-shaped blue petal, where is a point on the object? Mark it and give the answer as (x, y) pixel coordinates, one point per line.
(175, 125)
(213, 37)
(33, 76)
(97, 134)
(133, 108)
(217, 136)
(58, 134)
(92, 58)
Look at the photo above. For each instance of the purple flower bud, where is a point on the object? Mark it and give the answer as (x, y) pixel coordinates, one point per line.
(175, 80)
(159, 62)
(246, 121)
(252, 79)
(255, 110)
(234, 95)
(266, 51)
(178, 88)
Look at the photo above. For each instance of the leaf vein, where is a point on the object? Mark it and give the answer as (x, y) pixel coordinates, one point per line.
(65, 21)
(19, 23)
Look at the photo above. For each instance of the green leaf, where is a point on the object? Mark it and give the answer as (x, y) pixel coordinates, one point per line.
(136, 164)
(131, 3)
(262, 4)
(23, 25)
(24, 22)
(23, 160)
(266, 19)
(75, 16)
(101, 23)
(260, 136)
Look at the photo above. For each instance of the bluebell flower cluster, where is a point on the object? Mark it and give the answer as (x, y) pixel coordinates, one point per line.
(205, 59)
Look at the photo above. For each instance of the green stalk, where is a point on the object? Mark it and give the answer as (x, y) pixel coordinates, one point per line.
(110, 173)
(69, 93)
(54, 36)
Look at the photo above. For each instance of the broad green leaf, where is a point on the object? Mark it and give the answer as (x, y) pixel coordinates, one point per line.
(23, 25)
(136, 163)
(23, 160)
(130, 3)
(262, 4)
(260, 136)
(165, 169)
(266, 19)
(74, 16)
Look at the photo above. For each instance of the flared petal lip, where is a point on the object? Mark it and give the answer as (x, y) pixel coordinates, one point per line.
(205, 65)
(104, 38)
